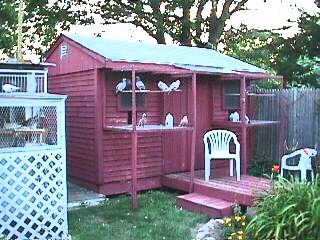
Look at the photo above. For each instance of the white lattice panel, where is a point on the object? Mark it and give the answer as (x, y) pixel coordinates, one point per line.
(33, 195)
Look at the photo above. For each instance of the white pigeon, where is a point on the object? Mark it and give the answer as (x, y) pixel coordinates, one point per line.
(174, 86)
(234, 117)
(140, 85)
(8, 88)
(184, 122)
(143, 120)
(121, 85)
(164, 87)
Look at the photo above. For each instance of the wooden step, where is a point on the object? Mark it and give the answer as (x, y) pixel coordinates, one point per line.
(199, 203)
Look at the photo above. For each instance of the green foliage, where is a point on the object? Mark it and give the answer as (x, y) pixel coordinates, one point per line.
(157, 218)
(42, 22)
(235, 225)
(251, 45)
(261, 166)
(3, 237)
(297, 58)
(8, 19)
(289, 210)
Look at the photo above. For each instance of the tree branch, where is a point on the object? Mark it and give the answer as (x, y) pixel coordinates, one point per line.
(239, 6)
(199, 18)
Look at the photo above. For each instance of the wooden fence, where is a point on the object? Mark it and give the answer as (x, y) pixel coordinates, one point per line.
(301, 115)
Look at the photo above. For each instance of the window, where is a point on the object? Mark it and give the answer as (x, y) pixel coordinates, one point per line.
(231, 95)
(125, 100)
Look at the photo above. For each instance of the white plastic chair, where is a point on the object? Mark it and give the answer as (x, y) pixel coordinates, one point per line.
(217, 146)
(304, 163)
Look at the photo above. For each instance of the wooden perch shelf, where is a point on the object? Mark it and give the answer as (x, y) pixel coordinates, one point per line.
(147, 128)
(252, 94)
(253, 123)
(149, 91)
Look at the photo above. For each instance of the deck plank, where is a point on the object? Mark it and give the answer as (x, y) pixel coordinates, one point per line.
(223, 187)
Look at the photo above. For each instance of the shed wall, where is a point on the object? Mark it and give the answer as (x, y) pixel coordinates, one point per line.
(117, 146)
(80, 121)
(74, 75)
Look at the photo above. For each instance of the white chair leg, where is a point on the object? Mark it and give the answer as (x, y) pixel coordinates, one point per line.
(207, 170)
(238, 168)
(231, 167)
(303, 174)
(312, 176)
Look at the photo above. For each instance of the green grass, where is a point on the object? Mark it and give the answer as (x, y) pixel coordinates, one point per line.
(157, 218)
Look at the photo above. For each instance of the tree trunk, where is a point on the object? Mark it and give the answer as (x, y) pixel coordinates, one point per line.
(215, 30)
(186, 24)
(159, 21)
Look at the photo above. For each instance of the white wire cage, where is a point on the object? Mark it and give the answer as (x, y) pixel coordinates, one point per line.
(33, 198)
(31, 81)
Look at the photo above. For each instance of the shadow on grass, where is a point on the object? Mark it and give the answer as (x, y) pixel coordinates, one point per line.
(157, 218)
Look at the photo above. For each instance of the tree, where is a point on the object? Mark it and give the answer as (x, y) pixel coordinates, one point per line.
(185, 21)
(42, 22)
(254, 46)
(8, 19)
(297, 58)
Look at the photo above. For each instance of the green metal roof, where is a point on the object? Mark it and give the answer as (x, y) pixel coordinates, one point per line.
(193, 58)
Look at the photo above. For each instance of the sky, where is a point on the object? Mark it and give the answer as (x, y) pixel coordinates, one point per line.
(271, 14)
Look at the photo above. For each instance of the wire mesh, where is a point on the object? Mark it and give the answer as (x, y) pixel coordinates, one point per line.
(24, 126)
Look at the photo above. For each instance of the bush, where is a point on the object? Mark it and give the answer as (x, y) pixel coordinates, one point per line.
(261, 166)
(289, 210)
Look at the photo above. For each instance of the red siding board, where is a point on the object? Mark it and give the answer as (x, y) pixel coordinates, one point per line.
(80, 121)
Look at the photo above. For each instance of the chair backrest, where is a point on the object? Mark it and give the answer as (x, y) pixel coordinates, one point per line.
(304, 160)
(219, 140)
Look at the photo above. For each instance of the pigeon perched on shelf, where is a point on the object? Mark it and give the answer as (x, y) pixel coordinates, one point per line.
(164, 87)
(234, 117)
(143, 120)
(184, 122)
(8, 88)
(121, 85)
(139, 84)
(174, 86)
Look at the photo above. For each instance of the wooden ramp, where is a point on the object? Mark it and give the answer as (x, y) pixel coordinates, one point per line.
(217, 196)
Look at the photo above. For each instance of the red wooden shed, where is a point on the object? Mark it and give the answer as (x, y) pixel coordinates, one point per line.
(105, 147)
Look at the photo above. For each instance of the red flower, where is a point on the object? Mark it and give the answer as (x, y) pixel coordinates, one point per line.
(276, 168)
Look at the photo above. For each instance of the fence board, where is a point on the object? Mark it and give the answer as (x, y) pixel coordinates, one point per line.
(300, 116)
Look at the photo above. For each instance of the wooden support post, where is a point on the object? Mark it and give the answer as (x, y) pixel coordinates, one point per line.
(134, 144)
(243, 113)
(193, 141)
(20, 22)
(282, 120)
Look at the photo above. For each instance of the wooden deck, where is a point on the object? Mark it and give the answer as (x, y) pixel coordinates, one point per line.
(220, 187)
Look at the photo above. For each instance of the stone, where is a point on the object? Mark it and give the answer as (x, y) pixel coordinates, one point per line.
(212, 230)
(251, 211)
(210, 238)
(204, 228)
(202, 235)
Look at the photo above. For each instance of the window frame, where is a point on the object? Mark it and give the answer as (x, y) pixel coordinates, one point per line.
(224, 95)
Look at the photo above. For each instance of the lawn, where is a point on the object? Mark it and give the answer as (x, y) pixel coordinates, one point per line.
(157, 218)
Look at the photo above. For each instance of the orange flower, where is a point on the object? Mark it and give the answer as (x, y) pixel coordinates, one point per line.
(276, 168)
